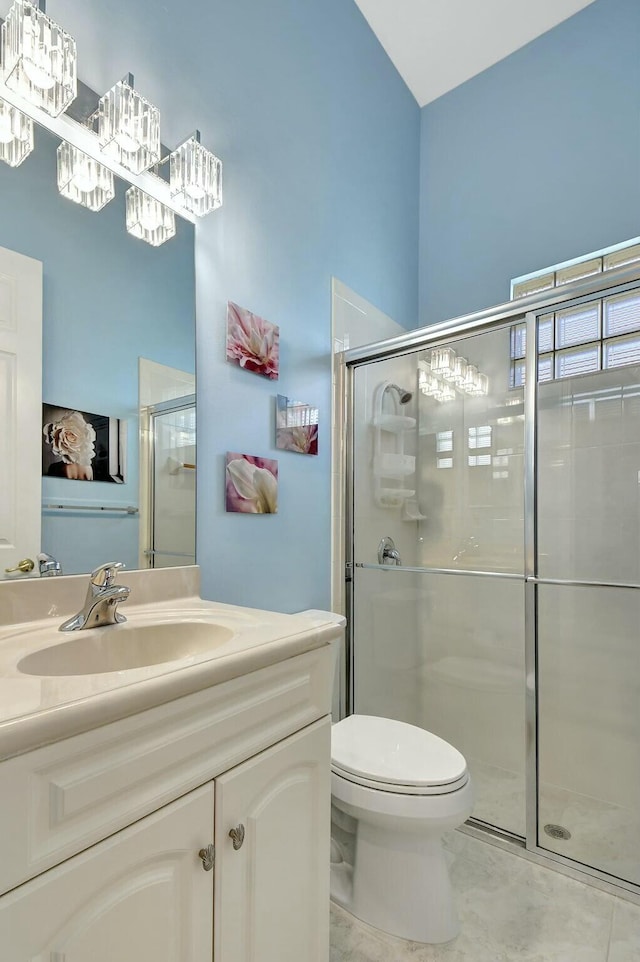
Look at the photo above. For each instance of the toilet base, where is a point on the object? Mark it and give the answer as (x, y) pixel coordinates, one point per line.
(402, 885)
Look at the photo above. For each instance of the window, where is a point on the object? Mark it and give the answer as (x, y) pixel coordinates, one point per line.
(444, 443)
(479, 437)
(591, 337)
(602, 261)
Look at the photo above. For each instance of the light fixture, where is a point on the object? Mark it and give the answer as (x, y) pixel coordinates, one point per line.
(443, 362)
(428, 384)
(148, 219)
(445, 392)
(38, 57)
(82, 179)
(470, 380)
(459, 370)
(195, 177)
(481, 386)
(16, 135)
(129, 127)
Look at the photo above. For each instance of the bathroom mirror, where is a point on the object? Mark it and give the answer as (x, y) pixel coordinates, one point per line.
(118, 332)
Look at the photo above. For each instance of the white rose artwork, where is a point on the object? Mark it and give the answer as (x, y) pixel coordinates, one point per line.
(80, 446)
(72, 440)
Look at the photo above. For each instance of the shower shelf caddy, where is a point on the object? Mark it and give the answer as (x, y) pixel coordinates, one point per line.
(390, 463)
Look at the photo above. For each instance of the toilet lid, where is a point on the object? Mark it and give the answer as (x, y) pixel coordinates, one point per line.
(393, 752)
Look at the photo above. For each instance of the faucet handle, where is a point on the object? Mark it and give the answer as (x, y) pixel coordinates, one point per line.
(106, 574)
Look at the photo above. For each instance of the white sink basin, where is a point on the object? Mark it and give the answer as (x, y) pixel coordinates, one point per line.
(123, 647)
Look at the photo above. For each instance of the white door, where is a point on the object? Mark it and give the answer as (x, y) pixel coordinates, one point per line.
(272, 892)
(20, 407)
(140, 896)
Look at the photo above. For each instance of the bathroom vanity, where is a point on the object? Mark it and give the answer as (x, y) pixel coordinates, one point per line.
(176, 812)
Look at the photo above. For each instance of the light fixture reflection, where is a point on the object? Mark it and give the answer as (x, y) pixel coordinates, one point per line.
(38, 57)
(195, 177)
(148, 219)
(129, 127)
(470, 380)
(445, 392)
(481, 386)
(459, 371)
(82, 179)
(16, 135)
(443, 362)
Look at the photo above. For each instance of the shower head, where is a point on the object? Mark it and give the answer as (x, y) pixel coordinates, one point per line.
(403, 396)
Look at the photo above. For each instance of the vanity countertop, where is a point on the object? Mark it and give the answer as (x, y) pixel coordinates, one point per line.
(36, 710)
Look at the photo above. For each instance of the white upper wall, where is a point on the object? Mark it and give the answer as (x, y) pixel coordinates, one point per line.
(438, 44)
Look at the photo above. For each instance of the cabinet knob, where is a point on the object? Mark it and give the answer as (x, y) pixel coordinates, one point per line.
(207, 855)
(237, 836)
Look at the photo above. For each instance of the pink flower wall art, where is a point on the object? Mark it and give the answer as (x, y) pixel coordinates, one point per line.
(251, 484)
(296, 426)
(252, 342)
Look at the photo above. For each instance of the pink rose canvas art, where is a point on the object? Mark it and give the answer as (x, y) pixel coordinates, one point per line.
(251, 484)
(252, 343)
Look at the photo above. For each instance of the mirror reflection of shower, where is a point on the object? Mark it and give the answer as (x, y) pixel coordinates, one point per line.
(167, 466)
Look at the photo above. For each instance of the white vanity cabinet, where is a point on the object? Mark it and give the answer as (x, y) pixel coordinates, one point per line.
(272, 895)
(102, 834)
(139, 896)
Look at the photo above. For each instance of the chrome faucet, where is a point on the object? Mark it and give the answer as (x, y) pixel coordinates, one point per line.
(48, 566)
(101, 603)
(388, 554)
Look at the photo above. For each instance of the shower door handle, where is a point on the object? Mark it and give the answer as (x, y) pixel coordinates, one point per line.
(388, 554)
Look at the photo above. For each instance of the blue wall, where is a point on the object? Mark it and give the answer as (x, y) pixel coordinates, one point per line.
(107, 299)
(533, 162)
(320, 141)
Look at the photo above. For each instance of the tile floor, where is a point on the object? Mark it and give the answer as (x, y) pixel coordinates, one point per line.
(511, 910)
(604, 835)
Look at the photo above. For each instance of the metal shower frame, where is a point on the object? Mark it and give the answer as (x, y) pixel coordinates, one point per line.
(527, 310)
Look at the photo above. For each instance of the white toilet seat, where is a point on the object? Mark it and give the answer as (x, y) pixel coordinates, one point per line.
(392, 756)
(402, 808)
(398, 789)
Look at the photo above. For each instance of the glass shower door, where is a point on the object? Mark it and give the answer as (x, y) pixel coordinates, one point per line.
(438, 640)
(173, 484)
(588, 597)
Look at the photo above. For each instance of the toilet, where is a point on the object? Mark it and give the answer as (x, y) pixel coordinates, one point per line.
(395, 790)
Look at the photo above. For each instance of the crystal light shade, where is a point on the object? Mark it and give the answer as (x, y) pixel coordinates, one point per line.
(481, 386)
(471, 379)
(129, 127)
(445, 392)
(443, 362)
(82, 179)
(148, 219)
(16, 135)
(38, 57)
(196, 177)
(428, 384)
(459, 370)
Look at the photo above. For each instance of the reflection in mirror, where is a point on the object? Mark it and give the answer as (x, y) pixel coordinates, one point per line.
(108, 301)
(167, 466)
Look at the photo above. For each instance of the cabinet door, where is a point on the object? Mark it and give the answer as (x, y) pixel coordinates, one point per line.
(272, 893)
(140, 896)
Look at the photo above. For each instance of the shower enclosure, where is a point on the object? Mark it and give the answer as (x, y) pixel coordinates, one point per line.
(170, 450)
(506, 619)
